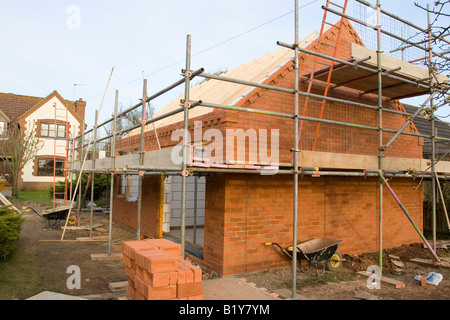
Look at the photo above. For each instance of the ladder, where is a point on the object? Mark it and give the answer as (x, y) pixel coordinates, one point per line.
(323, 43)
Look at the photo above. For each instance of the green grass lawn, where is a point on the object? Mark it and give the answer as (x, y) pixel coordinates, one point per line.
(19, 277)
(41, 196)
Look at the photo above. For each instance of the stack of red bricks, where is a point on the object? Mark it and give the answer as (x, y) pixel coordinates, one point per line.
(157, 271)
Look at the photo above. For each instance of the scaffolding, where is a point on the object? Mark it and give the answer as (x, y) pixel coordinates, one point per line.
(153, 162)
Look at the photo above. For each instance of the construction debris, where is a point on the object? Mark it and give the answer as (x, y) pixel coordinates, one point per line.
(363, 295)
(392, 282)
(118, 286)
(399, 265)
(432, 278)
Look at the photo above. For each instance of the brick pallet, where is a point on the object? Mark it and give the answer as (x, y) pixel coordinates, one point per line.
(156, 271)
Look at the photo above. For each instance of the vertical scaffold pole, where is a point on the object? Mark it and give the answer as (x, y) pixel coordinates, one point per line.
(380, 139)
(80, 173)
(186, 144)
(295, 158)
(433, 134)
(113, 166)
(94, 151)
(54, 159)
(141, 161)
(72, 160)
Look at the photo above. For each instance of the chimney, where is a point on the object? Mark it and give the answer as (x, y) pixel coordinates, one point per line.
(80, 107)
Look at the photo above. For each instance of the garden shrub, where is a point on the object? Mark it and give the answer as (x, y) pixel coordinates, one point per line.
(10, 226)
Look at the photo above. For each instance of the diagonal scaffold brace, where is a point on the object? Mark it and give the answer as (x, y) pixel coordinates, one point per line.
(407, 215)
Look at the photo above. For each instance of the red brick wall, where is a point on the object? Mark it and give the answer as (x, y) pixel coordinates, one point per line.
(244, 211)
(243, 214)
(331, 138)
(125, 212)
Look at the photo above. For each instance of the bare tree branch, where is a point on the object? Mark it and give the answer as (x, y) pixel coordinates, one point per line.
(18, 149)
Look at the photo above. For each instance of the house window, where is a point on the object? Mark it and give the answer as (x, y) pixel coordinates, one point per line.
(48, 130)
(2, 129)
(123, 184)
(45, 167)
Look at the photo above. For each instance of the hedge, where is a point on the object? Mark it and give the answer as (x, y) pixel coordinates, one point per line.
(10, 225)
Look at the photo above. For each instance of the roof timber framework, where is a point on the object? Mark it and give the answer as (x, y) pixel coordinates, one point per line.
(383, 76)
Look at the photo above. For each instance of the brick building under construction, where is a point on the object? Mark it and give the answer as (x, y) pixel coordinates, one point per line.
(336, 152)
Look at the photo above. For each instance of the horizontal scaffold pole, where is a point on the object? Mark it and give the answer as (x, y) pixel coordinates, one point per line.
(405, 22)
(235, 108)
(148, 121)
(247, 83)
(269, 87)
(292, 116)
(385, 32)
(154, 96)
(409, 120)
(355, 65)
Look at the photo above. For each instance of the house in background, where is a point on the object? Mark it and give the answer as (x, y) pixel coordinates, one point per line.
(56, 120)
(442, 129)
(442, 153)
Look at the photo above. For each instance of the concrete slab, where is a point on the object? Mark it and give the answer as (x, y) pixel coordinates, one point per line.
(49, 295)
(233, 288)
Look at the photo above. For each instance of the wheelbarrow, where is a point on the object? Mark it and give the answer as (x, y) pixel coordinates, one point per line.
(3, 183)
(55, 215)
(318, 252)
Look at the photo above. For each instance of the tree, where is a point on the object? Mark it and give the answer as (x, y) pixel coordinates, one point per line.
(129, 119)
(10, 225)
(18, 149)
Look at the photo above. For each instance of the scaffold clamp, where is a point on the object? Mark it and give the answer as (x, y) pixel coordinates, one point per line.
(187, 105)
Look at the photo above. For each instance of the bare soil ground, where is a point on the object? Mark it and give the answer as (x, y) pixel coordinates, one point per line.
(346, 284)
(54, 257)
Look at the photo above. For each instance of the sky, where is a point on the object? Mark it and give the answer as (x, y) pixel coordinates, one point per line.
(73, 46)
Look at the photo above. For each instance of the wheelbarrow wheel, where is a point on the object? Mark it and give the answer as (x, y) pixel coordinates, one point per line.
(72, 220)
(305, 266)
(335, 262)
(320, 268)
(53, 223)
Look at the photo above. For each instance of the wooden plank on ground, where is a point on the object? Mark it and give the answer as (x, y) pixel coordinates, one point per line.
(72, 228)
(106, 257)
(96, 226)
(99, 238)
(392, 282)
(72, 240)
(118, 286)
(430, 263)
